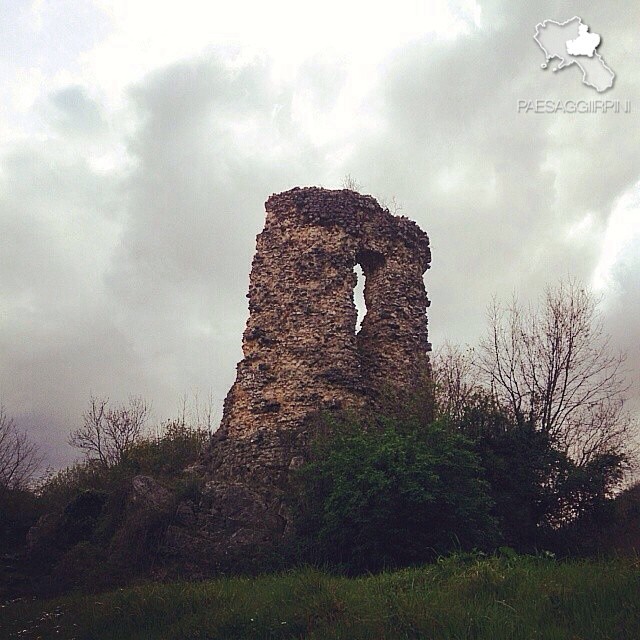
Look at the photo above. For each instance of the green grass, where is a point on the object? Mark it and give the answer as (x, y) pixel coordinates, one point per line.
(493, 598)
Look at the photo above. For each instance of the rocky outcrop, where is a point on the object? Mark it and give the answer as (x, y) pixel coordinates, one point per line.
(147, 493)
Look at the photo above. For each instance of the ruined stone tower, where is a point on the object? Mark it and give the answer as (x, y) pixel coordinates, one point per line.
(301, 355)
(301, 350)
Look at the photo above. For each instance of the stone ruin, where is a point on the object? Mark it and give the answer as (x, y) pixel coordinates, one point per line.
(301, 349)
(302, 355)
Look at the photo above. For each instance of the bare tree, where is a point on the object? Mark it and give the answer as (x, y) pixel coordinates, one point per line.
(205, 412)
(349, 182)
(392, 204)
(455, 378)
(19, 457)
(196, 412)
(555, 368)
(107, 434)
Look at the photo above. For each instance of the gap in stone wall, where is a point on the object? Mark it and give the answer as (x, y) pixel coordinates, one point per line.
(358, 296)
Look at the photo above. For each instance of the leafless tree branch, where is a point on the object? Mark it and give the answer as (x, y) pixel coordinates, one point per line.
(555, 368)
(107, 434)
(19, 457)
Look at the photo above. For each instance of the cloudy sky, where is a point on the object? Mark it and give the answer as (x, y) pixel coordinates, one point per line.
(140, 139)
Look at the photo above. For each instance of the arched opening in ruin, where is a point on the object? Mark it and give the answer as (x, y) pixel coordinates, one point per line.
(367, 262)
(358, 296)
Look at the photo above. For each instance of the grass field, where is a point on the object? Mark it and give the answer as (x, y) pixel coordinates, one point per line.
(480, 598)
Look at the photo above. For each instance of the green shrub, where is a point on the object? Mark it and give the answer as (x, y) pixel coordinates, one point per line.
(92, 517)
(19, 510)
(81, 516)
(59, 489)
(164, 456)
(167, 455)
(542, 497)
(391, 493)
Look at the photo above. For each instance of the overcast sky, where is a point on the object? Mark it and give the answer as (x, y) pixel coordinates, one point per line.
(140, 139)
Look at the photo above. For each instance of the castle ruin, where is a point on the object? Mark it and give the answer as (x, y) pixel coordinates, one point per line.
(302, 355)
(301, 350)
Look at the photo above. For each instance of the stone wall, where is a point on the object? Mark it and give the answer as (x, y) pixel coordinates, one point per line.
(301, 350)
(301, 355)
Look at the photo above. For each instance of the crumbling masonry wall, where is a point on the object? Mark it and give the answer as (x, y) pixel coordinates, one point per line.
(301, 350)
(302, 355)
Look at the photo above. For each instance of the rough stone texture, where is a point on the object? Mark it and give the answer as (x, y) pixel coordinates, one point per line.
(148, 492)
(239, 515)
(302, 355)
(301, 351)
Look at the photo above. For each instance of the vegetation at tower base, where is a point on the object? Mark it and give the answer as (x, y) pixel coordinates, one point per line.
(388, 488)
(397, 489)
(96, 525)
(392, 493)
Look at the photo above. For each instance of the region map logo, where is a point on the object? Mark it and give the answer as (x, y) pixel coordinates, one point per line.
(572, 43)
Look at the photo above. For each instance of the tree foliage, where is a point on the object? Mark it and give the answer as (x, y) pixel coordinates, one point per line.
(554, 367)
(543, 399)
(94, 535)
(391, 493)
(537, 489)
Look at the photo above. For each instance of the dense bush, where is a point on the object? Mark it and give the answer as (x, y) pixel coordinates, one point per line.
(399, 489)
(60, 488)
(518, 463)
(93, 535)
(380, 490)
(164, 456)
(176, 447)
(19, 510)
(391, 493)
(539, 491)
